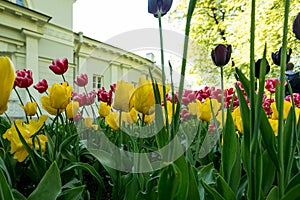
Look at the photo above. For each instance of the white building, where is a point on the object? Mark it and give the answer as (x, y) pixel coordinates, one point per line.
(35, 32)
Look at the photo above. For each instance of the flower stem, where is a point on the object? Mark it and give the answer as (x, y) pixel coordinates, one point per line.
(163, 69)
(33, 100)
(19, 97)
(222, 96)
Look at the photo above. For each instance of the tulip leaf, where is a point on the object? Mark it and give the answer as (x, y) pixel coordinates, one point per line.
(229, 149)
(4, 168)
(17, 195)
(50, 185)
(67, 141)
(273, 194)
(211, 191)
(5, 192)
(182, 165)
(294, 182)
(72, 193)
(88, 168)
(206, 173)
(245, 82)
(169, 182)
(131, 188)
(193, 192)
(292, 194)
(268, 173)
(268, 137)
(224, 189)
(237, 170)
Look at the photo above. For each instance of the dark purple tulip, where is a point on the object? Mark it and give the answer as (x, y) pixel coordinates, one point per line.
(257, 67)
(159, 6)
(276, 57)
(296, 26)
(221, 55)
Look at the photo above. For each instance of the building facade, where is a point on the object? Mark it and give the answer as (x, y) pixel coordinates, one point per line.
(35, 32)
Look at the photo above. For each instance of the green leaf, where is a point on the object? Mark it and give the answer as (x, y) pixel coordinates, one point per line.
(268, 173)
(169, 182)
(132, 188)
(182, 166)
(245, 82)
(5, 193)
(292, 194)
(212, 191)
(67, 141)
(88, 168)
(229, 148)
(73, 193)
(3, 167)
(193, 192)
(268, 137)
(224, 189)
(50, 185)
(206, 173)
(273, 194)
(17, 195)
(237, 171)
(294, 182)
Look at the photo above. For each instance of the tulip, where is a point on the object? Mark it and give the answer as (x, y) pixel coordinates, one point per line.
(237, 119)
(88, 123)
(193, 108)
(112, 120)
(105, 96)
(130, 117)
(274, 125)
(296, 26)
(104, 109)
(30, 108)
(123, 96)
(157, 7)
(204, 109)
(27, 131)
(271, 85)
(7, 79)
(257, 67)
(23, 78)
(286, 108)
(184, 115)
(59, 67)
(72, 109)
(221, 55)
(41, 86)
(81, 80)
(60, 95)
(276, 57)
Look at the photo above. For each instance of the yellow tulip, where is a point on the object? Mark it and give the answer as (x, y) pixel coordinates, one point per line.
(88, 123)
(104, 109)
(123, 94)
(7, 79)
(149, 118)
(130, 117)
(27, 131)
(46, 105)
(193, 107)
(274, 125)
(237, 119)
(72, 109)
(170, 112)
(219, 118)
(113, 120)
(204, 109)
(30, 108)
(60, 95)
(286, 108)
(144, 99)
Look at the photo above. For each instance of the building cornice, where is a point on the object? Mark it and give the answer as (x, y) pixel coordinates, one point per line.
(19, 11)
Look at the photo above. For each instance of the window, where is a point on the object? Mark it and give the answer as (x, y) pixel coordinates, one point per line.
(97, 82)
(20, 3)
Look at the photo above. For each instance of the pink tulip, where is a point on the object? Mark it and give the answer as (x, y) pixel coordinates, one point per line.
(81, 80)
(41, 86)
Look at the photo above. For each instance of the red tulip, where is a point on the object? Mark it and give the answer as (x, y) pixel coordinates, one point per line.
(41, 86)
(23, 78)
(59, 67)
(81, 80)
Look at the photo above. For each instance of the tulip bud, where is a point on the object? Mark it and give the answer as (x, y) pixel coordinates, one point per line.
(221, 55)
(59, 67)
(296, 26)
(7, 78)
(159, 6)
(41, 86)
(24, 78)
(81, 80)
(257, 67)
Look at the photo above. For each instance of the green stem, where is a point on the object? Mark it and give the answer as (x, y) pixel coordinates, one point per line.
(282, 174)
(222, 96)
(64, 78)
(19, 97)
(88, 97)
(163, 70)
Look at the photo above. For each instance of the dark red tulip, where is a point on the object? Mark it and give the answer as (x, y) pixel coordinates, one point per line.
(276, 57)
(257, 67)
(296, 26)
(221, 55)
(58, 66)
(23, 78)
(159, 6)
(41, 86)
